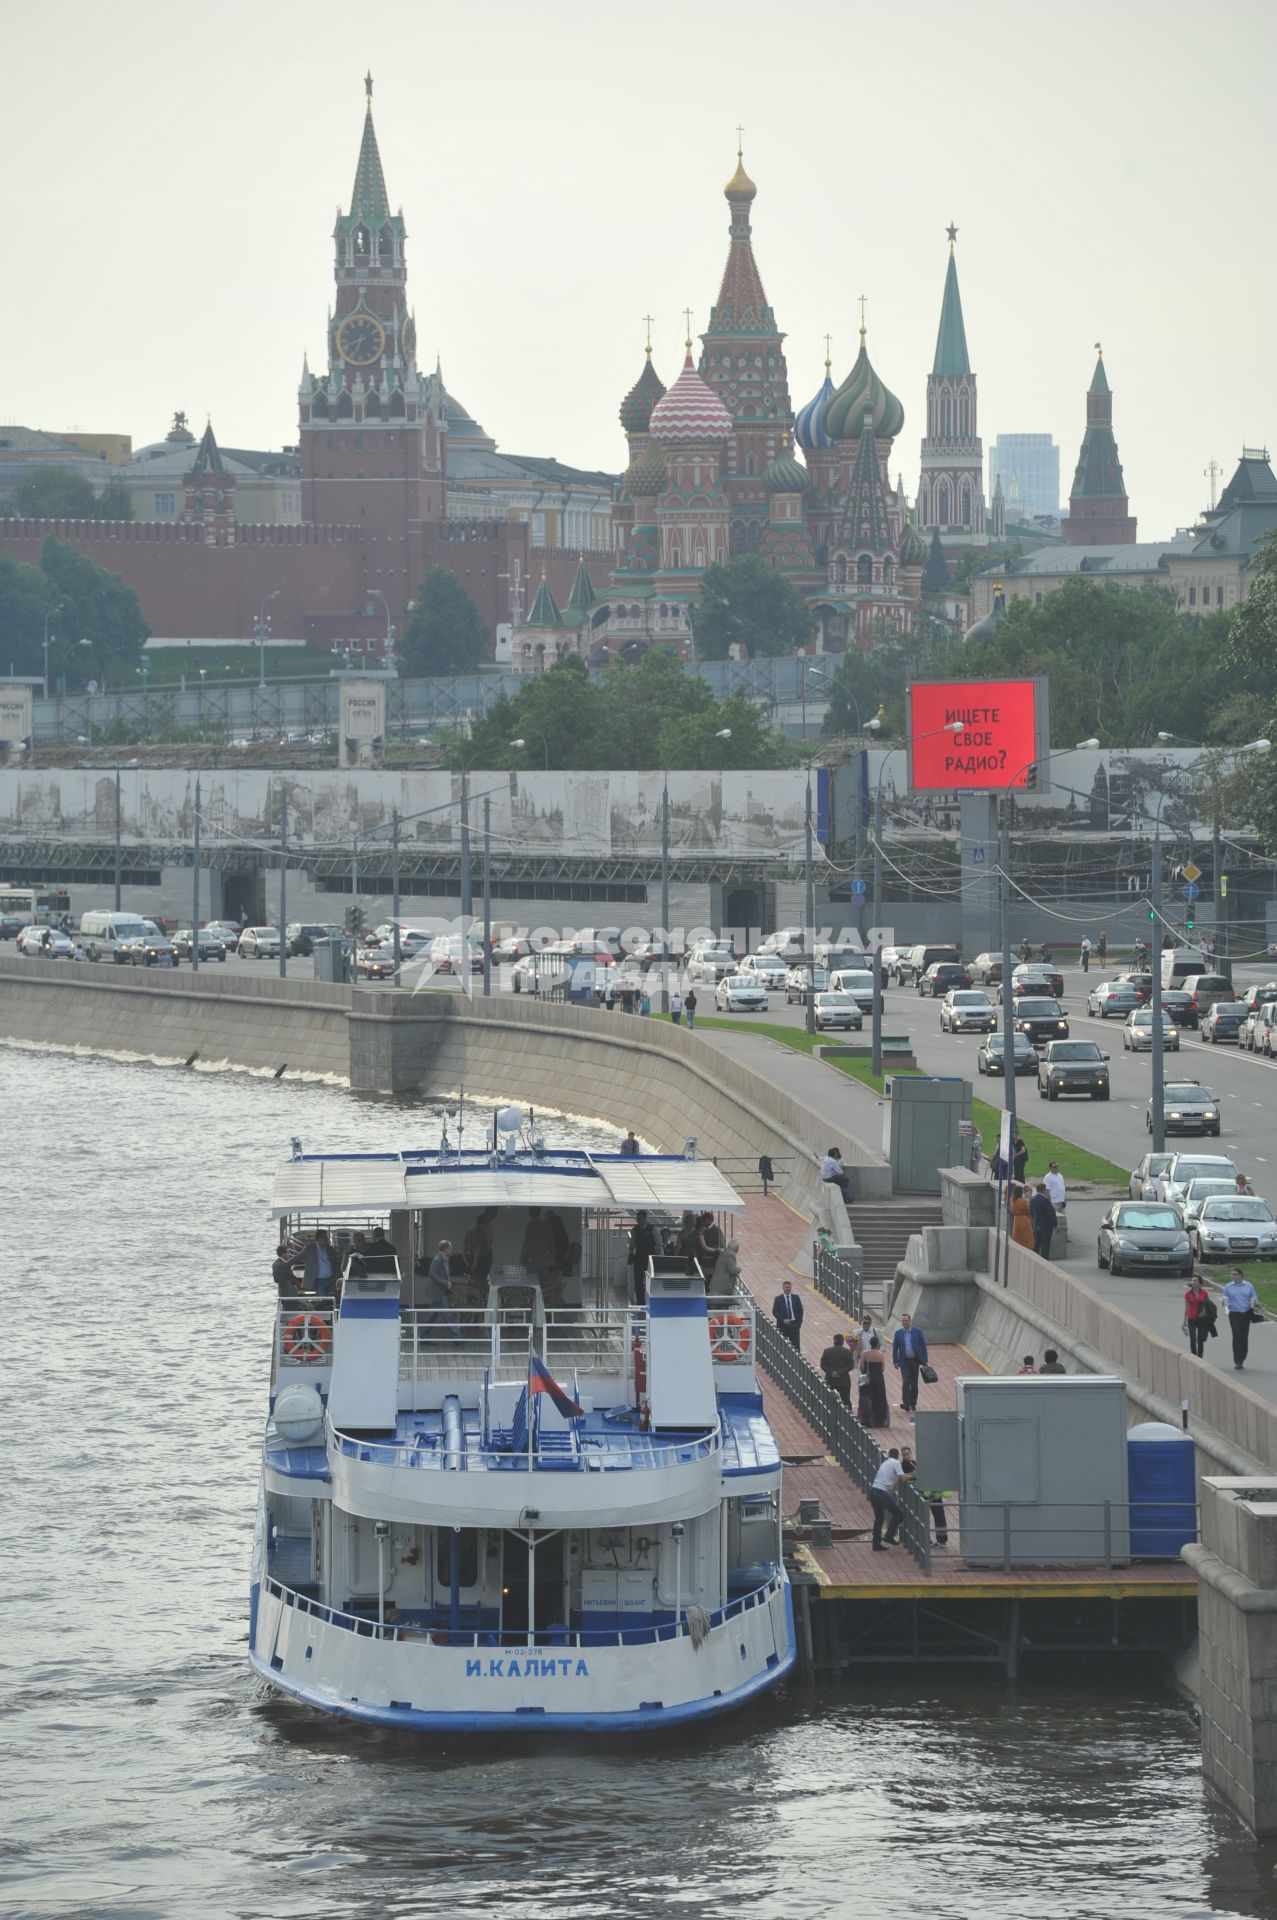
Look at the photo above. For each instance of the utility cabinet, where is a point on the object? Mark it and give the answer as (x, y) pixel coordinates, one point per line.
(1043, 1470)
(922, 1130)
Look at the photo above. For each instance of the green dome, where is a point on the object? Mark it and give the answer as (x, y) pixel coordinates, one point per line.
(860, 393)
(646, 478)
(786, 474)
(913, 548)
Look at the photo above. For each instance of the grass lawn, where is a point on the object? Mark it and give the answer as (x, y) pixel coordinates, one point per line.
(166, 665)
(1262, 1275)
(1075, 1162)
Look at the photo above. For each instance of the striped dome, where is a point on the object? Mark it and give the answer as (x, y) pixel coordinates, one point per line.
(691, 410)
(786, 474)
(863, 392)
(913, 548)
(809, 424)
(636, 408)
(646, 478)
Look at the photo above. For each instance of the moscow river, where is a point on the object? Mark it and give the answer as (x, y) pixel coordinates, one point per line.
(146, 1773)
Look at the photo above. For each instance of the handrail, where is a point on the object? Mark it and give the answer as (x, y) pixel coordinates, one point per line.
(839, 1281)
(1011, 1525)
(544, 1637)
(431, 1458)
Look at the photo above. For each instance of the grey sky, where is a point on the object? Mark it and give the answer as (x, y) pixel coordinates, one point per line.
(169, 180)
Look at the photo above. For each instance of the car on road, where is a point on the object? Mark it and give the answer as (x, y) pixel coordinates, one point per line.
(1224, 1023)
(374, 963)
(1147, 1173)
(799, 979)
(941, 977)
(1036, 976)
(967, 1010)
(1109, 998)
(1207, 989)
(1234, 1226)
(150, 948)
(1183, 1167)
(652, 953)
(1264, 1030)
(1137, 1033)
(1040, 1021)
(914, 961)
(211, 945)
(259, 943)
(767, 968)
(50, 942)
(1144, 1236)
(836, 1008)
(448, 953)
(1073, 1066)
(786, 941)
(11, 925)
(623, 978)
(513, 947)
(1198, 1192)
(1142, 982)
(991, 1058)
(889, 962)
(857, 982)
(1187, 1107)
(302, 935)
(1178, 1006)
(710, 962)
(986, 969)
(227, 931)
(739, 993)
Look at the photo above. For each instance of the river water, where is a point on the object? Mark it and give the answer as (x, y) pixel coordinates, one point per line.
(144, 1772)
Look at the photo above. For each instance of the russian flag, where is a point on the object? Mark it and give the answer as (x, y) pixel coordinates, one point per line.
(541, 1380)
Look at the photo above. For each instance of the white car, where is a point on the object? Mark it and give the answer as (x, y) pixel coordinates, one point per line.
(49, 941)
(739, 993)
(1174, 1178)
(259, 943)
(858, 983)
(838, 1009)
(447, 953)
(710, 963)
(1234, 1225)
(1137, 1033)
(967, 1010)
(799, 979)
(767, 968)
(1198, 1192)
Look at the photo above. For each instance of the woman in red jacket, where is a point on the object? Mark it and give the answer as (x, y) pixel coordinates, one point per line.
(1200, 1314)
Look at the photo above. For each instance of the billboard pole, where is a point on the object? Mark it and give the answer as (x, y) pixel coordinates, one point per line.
(1008, 998)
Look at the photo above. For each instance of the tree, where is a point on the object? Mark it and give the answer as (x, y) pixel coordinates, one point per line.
(25, 598)
(55, 493)
(691, 740)
(95, 606)
(1252, 639)
(561, 715)
(445, 631)
(864, 682)
(749, 605)
(645, 699)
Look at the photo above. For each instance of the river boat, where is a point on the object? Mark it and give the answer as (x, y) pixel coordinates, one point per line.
(535, 1503)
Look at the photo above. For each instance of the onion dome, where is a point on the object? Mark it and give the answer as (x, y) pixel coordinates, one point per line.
(647, 477)
(740, 186)
(809, 423)
(691, 410)
(636, 408)
(913, 548)
(786, 474)
(986, 628)
(863, 392)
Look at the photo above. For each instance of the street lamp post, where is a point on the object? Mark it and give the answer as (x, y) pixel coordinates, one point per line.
(521, 742)
(806, 673)
(375, 593)
(875, 931)
(48, 616)
(263, 633)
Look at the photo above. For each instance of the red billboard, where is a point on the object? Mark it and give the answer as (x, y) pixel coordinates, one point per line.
(1003, 732)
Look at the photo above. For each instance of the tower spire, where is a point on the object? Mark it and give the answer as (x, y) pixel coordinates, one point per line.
(368, 196)
(951, 341)
(1099, 510)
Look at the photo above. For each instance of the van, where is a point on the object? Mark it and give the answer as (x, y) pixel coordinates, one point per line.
(1206, 989)
(858, 982)
(108, 936)
(1178, 963)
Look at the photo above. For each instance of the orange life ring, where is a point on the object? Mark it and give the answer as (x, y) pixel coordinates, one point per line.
(307, 1337)
(729, 1335)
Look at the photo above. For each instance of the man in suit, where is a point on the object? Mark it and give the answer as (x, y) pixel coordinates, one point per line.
(319, 1268)
(1042, 1220)
(787, 1312)
(908, 1353)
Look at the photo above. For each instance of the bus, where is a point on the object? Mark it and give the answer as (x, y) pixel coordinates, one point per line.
(45, 906)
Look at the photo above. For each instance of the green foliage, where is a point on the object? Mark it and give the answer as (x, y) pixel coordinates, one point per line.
(25, 598)
(445, 631)
(55, 493)
(864, 682)
(1252, 638)
(749, 605)
(96, 607)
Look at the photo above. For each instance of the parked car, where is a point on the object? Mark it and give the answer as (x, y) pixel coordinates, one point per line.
(1178, 1006)
(11, 925)
(835, 1009)
(1137, 1033)
(48, 942)
(1224, 1023)
(767, 968)
(1040, 1021)
(740, 993)
(513, 947)
(1198, 1192)
(374, 963)
(991, 1058)
(941, 977)
(1147, 1173)
(1036, 976)
(1183, 1167)
(1207, 989)
(211, 945)
(1234, 1226)
(1073, 1066)
(1144, 1236)
(302, 935)
(1264, 1030)
(1187, 1107)
(800, 979)
(986, 969)
(858, 983)
(259, 943)
(967, 1010)
(710, 962)
(1112, 997)
(914, 961)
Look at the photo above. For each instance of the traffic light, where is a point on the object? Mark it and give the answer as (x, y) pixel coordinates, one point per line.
(1031, 777)
(1151, 914)
(1192, 919)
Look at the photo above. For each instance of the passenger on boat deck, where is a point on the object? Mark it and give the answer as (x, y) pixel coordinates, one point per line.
(726, 1269)
(686, 1246)
(319, 1269)
(630, 1144)
(379, 1244)
(537, 1253)
(286, 1281)
(476, 1248)
(644, 1245)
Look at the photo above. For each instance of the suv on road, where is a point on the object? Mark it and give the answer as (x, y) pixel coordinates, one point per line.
(1187, 1107)
(911, 966)
(941, 978)
(1206, 989)
(1040, 1021)
(1073, 1066)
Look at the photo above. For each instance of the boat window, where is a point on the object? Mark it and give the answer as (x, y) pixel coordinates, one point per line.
(467, 1539)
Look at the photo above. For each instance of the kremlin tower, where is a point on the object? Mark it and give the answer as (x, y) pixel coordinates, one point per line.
(951, 487)
(1099, 514)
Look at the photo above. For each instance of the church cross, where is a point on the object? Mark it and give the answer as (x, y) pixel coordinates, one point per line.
(687, 315)
(829, 341)
(647, 322)
(740, 143)
(368, 86)
(862, 316)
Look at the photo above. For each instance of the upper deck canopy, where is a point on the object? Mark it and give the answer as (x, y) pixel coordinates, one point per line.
(356, 1183)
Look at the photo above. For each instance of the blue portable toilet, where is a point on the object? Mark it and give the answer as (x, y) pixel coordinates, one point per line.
(1162, 1478)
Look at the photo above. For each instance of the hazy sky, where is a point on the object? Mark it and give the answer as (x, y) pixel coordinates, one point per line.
(169, 179)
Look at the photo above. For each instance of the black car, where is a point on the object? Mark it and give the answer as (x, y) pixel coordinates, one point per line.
(1040, 1021)
(1073, 1066)
(991, 1057)
(941, 977)
(1187, 1107)
(302, 936)
(1180, 1008)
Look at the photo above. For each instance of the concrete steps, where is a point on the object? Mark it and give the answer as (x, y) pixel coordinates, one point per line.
(882, 1229)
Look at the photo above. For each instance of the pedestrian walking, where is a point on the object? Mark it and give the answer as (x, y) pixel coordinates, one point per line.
(609, 996)
(908, 1354)
(1242, 1303)
(645, 1004)
(836, 1363)
(1200, 1315)
(885, 1501)
(787, 1312)
(676, 1007)
(1085, 951)
(1053, 1181)
(627, 999)
(689, 1008)
(1042, 1220)
(1026, 949)
(1102, 948)
(1019, 1159)
(766, 1171)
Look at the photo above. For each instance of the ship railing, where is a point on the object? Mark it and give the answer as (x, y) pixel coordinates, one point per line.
(545, 1640)
(558, 1450)
(438, 1343)
(304, 1331)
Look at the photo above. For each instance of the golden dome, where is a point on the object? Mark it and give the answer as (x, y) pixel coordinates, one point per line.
(740, 186)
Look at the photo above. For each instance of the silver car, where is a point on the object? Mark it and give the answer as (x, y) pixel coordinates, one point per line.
(1234, 1226)
(1175, 1176)
(1143, 1184)
(967, 1010)
(259, 943)
(838, 1010)
(1144, 1236)
(1137, 1034)
(1110, 997)
(1198, 1192)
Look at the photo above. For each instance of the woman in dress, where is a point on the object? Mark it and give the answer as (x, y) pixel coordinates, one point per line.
(1021, 1221)
(873, 1409)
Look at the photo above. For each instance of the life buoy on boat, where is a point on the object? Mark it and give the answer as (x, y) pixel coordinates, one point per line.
(307, 1337)
(729, 1336)
(640, 1370)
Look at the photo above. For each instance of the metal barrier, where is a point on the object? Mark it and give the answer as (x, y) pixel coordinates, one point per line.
(851, 1445)
(1008, 1530)
(744, 1174)
(840, 1282)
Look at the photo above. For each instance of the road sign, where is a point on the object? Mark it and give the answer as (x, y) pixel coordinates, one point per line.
(1190, 872)
(858, 889)
(1189, 891)
(978, 856)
